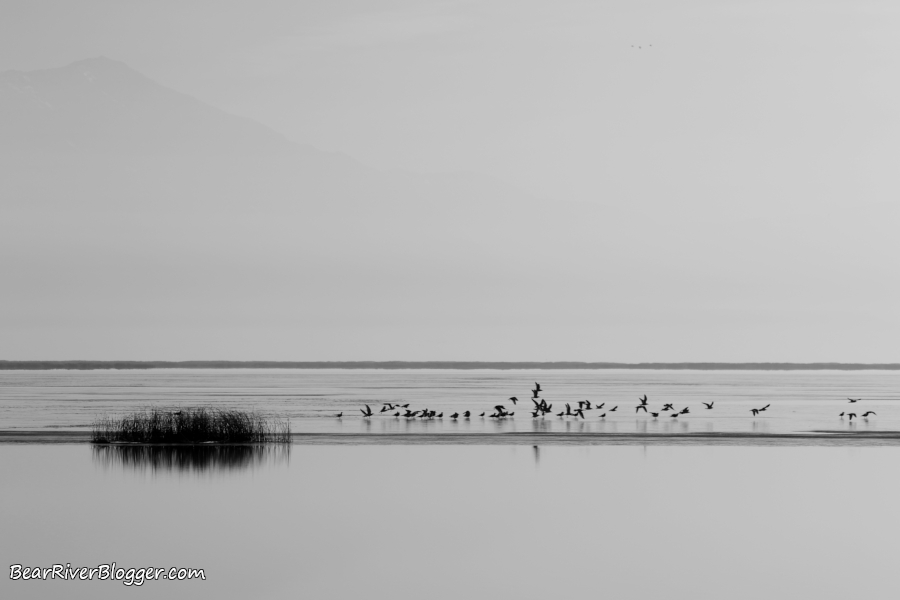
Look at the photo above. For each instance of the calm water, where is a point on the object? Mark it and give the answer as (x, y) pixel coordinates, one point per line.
(449, 522)
(801, 401)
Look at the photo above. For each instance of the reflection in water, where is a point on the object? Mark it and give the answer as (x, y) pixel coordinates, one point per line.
(537, 455)
(191, 458)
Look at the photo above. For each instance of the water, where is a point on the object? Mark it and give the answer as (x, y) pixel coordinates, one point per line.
(447, 522)
(801, 401)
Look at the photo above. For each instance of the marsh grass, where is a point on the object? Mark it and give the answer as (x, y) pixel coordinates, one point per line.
(191, 426)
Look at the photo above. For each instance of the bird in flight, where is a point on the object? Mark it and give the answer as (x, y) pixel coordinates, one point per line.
(654, 415)
(866, 414)
(643, 400)
(639, 407)
(755, 411)
(765, 407)
(613, 409)
(710, 405)
(685, 410)
(366, 413)
(514, 399)
(851, 415)
(667, 407)
(854, 400)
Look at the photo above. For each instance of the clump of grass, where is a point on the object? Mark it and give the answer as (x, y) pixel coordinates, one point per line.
(191, 426)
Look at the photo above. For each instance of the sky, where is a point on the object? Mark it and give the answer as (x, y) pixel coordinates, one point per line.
(709, 116)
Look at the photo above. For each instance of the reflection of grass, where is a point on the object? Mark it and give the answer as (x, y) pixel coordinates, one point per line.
(194, 458)
(191, 425)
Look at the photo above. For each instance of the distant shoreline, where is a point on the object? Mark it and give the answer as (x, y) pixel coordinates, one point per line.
(89, 365)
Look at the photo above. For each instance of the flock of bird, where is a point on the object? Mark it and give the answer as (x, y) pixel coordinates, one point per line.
(542, 408)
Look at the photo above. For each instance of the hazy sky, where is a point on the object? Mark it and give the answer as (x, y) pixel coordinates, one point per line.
(718, 112)
(550, 96)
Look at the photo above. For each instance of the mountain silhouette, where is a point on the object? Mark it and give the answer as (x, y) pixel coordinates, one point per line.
(100, 105)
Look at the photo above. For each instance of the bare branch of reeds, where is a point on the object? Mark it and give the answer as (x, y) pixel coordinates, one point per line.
(191, 426)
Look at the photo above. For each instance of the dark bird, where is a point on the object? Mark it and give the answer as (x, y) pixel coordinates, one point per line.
(481, 415)
(560, 415)
(579, 413)
(587, 405)
(603, 416)
(339, 415)
(613, 409)
(674, 415)
(467, 414)
(709, 405)
(535, 393)
(654, 415)
(643, 400)
(639, 407)
(403, 405)
(534, 415)
(851, 415)
(383, 409)
(765, 407)
(510, 414)
(685, 410)
(568, 409)
(867, 413)
(755, 411)
(853, 400)
(454, 415)
(537, 386)
(667, 407)
(441, 416)
(514, 399)
(367, 412)
(841, 415)
(599, 406)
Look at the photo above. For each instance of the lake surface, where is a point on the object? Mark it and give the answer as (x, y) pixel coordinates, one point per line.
(400, 522)
(801, 401)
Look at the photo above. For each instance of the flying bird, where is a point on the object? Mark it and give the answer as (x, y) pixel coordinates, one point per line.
(514, 399)
(667, 407)
(853, 400)
(643, 400)
(367, 412)
(639, 407)
(851, 415)
(613, 409)
(867, 413)
(710, 405)
(755, 411)
(765, 407)
(654, 415)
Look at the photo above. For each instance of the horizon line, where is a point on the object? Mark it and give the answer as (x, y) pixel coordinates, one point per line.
(89, 365)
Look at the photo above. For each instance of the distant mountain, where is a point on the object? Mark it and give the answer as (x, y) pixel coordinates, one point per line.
(100, 105)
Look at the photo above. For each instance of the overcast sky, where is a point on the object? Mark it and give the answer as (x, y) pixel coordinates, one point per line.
(720, 109)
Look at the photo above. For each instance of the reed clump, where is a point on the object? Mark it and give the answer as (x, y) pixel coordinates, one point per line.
(191, 426)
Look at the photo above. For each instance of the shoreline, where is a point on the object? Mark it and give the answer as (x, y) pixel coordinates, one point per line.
(94, 365)
(809, 438)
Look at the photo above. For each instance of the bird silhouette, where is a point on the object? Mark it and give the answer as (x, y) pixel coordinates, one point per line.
(654, 415)
(599, 406)
(639, 407)
(755, 411)
(537, 386)
(643, 400)
(685, 410)
(366, 413)
(866, 414)
(708, 406)
(339, 415)
(854, 400)
(454, 415)
(481, 415)
(841, 415)
(514, 399)
(765, 407)
(534, 415)
(667, 407)
(603, 416)
(674, 415)
(851, 415)
(613, 409)
(579, 413)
